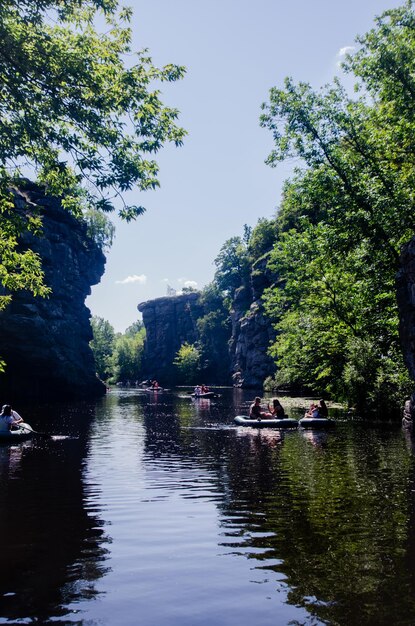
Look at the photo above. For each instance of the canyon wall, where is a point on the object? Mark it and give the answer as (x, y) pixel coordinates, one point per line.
(172, 320)
(251, 331)
(169, 321)
(45, 341)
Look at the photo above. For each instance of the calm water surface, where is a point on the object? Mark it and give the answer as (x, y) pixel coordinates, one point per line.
(155, 510)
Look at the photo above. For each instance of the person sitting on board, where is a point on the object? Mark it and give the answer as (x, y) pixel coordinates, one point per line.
(313, 411)
(197, 390)
(322, 408)
(255, 411)
(9, 419)
(154, 384)
(276, 409)
(204, 389)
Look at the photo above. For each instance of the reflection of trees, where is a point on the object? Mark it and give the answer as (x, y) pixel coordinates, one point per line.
(52, 548)
(337, 517)
(327, 513)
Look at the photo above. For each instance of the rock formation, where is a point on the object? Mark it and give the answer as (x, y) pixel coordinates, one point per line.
(172, 320)
(169, 321)
(45, 341)
(251, 331)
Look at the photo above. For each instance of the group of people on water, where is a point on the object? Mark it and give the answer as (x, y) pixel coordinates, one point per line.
(317, 410)
(9, 419)
(200, 389)
(276, 410)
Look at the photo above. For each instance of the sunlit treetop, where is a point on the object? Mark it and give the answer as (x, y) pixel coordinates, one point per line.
(79, 111)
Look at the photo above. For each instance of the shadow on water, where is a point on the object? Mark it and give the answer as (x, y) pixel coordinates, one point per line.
(53, 548)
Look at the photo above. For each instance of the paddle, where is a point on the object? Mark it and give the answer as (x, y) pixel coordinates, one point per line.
(29, 429)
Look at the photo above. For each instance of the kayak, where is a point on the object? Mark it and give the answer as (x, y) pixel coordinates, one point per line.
(23, 432)
(316, 422)
(243, 420)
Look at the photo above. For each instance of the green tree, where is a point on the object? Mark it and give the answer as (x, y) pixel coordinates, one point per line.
(232, 265)
(75, 114)
(187, 362)
(99, 228)
(128, 353)
(102, 346)
(344, 219)
(78, 115)
(71, 108)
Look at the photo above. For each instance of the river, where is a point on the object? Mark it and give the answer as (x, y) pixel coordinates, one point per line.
(152, 509)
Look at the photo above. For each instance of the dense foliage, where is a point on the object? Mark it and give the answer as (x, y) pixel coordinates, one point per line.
(333, 252)
(78, 112)
(187, 362)
(118, 356)
(343, 220)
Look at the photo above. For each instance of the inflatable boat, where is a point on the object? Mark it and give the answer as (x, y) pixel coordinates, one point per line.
(316, 422)
(23, 432)
(207, 394)
(244, 420)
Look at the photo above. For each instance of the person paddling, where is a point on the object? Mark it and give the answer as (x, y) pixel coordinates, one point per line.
(9, 418)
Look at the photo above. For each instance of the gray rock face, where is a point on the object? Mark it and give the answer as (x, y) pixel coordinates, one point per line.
(172, 320)
(406, 303)
(169, 321)
(251, 332)
(45, 342)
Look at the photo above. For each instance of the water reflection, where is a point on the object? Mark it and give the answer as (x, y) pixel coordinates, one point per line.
(160, 508)
(48, 535)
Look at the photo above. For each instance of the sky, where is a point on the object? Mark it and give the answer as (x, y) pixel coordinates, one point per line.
(234, 52)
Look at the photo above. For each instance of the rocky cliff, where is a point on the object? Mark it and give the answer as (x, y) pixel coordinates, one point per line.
(251, 331)
(169, 322)
(45, 342)
(172, 320)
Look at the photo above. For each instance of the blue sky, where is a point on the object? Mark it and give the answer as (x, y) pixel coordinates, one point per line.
(234, 52)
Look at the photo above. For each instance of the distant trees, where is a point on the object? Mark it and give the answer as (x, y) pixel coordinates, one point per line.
(102, 346)
(118, 357)
(187, 362)
(128, 353)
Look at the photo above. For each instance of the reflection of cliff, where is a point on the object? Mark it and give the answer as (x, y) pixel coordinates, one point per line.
(53, 549)
(45, 342)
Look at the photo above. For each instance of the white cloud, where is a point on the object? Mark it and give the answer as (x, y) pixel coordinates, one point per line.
(190, 283)
(141, 279)
(343, 51)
